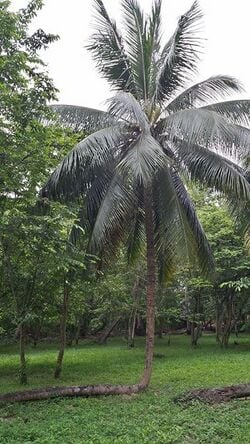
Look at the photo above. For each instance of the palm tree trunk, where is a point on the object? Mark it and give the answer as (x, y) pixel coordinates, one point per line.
(151, 286)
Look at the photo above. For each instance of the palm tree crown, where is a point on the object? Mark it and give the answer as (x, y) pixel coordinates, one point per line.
(153, 133)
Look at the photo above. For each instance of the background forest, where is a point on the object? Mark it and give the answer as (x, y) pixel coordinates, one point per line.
(47, 279)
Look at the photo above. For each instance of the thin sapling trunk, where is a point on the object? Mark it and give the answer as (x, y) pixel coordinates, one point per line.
(63, 326)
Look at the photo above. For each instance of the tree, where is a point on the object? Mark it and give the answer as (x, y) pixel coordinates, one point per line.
(230, 286)
(150, 140)
(129, 171)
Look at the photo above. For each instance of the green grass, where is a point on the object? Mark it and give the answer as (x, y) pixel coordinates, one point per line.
(151, 417)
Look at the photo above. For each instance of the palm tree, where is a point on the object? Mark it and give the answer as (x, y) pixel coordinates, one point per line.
(129, 171)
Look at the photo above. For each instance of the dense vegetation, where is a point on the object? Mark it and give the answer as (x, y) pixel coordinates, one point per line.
(122, 194)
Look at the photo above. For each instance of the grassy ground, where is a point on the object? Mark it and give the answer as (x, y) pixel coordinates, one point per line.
(151, 417)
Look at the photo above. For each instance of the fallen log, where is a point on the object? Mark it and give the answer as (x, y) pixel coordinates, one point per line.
(217, 395)
(71, 391)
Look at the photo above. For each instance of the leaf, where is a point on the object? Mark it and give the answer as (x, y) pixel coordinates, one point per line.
(213, 170)
(206, 127)
(236, 111)
(212, 88)
(112, 217)
(108, 51)
(124, 107)
(80, 118)
(143, 159)
(179, 235)
(180, 55)
(74, 174)
(135, 40)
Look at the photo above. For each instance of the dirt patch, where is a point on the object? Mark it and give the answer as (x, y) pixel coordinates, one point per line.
(216, 395)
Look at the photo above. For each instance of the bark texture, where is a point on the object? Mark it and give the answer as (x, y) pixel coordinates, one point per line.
(70, 391)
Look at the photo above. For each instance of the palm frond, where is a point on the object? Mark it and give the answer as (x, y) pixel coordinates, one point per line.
(153, 46)
(213, 88)
(203, 252)
(99, 180)
(111, 223)
(207, 128)
(135, 40)
(178, 231)
(74, 173)
(241, 213)
(142, 156)
(136, 235)
(108, 51)
(180, 55)
(213, 170)
(142, 159)
(80, 118)
(236, 111)
(125, 107)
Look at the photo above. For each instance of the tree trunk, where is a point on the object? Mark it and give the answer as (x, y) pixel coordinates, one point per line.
(151, 284)
(107, 333)
(195, 333)
(131, 327)
(78, 329)
(192, 328)
(63, 324)
(227, 323)
(225, 393)
(70, 391)
(23, 374)
(133, 314)
(196, 325)
(218, 326)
